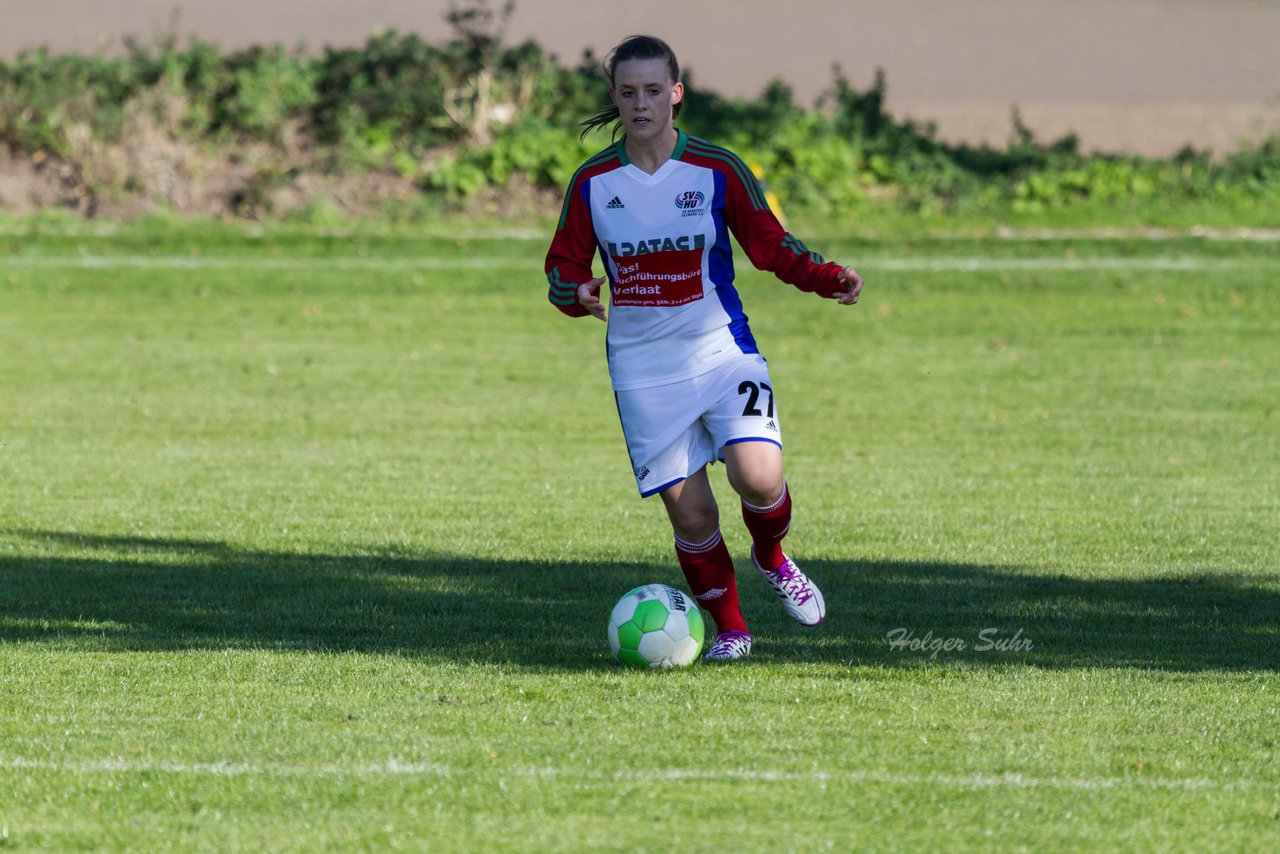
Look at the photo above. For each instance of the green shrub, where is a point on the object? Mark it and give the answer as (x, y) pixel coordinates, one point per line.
(268, 89)
(464, 117)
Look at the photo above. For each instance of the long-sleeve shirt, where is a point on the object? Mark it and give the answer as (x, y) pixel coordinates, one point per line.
(664, 242)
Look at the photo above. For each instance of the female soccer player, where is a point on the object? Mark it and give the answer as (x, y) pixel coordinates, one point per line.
(690, 384)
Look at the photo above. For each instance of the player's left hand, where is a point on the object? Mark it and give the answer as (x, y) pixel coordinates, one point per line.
(852, 283)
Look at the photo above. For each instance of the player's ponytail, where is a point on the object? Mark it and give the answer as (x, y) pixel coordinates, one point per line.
(632, 47)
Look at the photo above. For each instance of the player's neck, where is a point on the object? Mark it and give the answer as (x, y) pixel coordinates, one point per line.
(648, 155)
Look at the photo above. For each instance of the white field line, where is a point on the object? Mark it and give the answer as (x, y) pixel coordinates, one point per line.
(905, 264)
(395, 768)
(107, 230)
(275, 262)
(1255, 235)
(1227, 235)
(1059, 264)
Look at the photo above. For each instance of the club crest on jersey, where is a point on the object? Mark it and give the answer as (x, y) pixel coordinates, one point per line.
(657, 244)
(690, 199)
(690, 202)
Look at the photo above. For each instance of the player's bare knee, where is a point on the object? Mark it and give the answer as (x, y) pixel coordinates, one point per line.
(758, 487)
(697, 528)
(762, 494)
(694, 523)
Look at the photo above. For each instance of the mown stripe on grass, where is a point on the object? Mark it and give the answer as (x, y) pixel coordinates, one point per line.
(392, 768)
(107, 230)
(893, 263)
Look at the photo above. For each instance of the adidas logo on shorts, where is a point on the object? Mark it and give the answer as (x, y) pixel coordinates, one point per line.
(614, 204)
(771, 425)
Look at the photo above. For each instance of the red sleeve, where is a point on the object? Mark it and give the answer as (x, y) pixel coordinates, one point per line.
(768, 245)
(568, 261)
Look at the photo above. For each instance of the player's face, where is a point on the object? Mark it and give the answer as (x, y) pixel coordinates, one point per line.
(644, 94)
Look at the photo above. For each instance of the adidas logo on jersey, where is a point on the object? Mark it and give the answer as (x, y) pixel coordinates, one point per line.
(614, 204)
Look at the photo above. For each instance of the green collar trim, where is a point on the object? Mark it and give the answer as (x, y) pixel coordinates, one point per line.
(681, 141)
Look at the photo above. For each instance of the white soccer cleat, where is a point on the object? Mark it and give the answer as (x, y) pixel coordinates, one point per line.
(729, 646)
(800, 596)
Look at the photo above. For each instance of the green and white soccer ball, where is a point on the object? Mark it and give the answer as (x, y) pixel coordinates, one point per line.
(656, 626)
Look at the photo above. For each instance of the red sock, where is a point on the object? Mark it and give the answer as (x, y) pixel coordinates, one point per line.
(709, 570)
(768, 525)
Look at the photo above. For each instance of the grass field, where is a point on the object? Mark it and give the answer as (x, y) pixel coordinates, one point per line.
(308, 542)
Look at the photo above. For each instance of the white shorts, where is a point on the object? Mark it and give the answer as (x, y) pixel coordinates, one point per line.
(674, 430)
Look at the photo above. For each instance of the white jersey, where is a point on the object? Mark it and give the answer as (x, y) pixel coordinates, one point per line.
(664, 242)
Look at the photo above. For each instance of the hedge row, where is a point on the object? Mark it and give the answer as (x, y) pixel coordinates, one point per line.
(465, 116)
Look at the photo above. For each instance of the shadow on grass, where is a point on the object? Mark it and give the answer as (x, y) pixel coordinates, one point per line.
(157, 594)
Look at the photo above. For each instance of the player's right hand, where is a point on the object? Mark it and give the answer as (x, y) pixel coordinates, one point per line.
(851, 286)
(589, 297)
